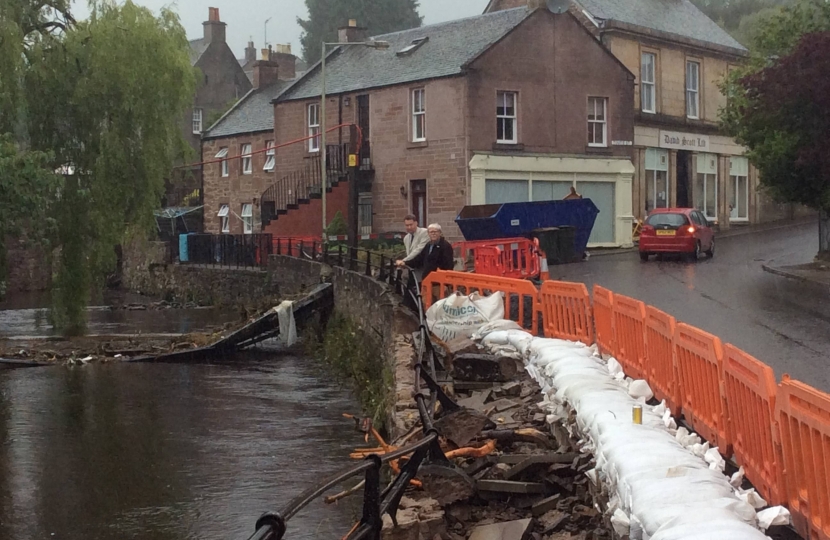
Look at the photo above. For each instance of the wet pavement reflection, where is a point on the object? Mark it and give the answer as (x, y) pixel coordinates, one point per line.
(169, 451)
(784, 323)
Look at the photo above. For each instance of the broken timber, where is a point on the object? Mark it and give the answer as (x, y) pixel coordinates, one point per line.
(264, 327)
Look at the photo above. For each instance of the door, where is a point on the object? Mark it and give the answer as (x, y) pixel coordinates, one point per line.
(683, 161)
(603, 196)
(418, 198)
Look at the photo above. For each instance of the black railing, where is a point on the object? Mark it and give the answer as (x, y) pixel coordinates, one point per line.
(376, 503)
(229, 250)
(302, 185)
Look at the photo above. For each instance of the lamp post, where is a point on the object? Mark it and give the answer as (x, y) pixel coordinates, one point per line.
(380, 45)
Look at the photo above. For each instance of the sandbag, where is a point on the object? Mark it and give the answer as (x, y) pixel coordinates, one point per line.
(460, 315)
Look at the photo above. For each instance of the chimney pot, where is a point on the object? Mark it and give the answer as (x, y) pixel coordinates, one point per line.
(213, 14)
(352, 23)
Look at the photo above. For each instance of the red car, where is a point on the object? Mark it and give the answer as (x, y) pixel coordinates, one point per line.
(677, 230)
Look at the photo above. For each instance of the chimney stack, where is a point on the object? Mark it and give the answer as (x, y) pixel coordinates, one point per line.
(250, 53)
(286, 61)
(214, 27)
(266, 70)
(352, 33)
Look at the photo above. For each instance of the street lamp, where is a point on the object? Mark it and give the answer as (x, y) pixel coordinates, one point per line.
(380, 45)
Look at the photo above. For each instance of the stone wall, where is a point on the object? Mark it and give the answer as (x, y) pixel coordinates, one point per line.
(28, 267)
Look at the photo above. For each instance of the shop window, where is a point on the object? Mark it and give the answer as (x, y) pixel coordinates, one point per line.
(706, 186)
(657, 179)
(738, 189)
(506, 191)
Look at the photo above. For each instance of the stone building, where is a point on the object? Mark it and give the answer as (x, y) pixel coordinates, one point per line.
(464, 112)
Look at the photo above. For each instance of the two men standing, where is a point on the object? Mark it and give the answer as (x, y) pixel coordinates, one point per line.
(426, 249)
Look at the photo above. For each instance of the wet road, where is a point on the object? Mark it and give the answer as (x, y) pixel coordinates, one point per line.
(784, 323)
(157, 452)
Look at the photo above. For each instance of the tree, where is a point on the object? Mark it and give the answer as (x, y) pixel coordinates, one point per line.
(377, 16)
(102, 98)
(779, 108)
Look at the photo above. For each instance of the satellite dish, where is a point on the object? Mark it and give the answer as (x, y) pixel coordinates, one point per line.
(558, 6)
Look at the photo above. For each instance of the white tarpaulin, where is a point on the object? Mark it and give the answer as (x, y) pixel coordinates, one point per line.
(288, 328)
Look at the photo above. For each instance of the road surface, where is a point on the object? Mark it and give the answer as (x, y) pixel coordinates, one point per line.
(782, 322)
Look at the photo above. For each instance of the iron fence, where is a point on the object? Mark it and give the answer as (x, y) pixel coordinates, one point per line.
(229, 250)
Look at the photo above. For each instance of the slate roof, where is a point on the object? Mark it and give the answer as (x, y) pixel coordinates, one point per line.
(451, 45)
(197, 49)
(253, 113)
(678, 17)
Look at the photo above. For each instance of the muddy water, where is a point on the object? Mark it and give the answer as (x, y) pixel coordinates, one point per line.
(157, 452)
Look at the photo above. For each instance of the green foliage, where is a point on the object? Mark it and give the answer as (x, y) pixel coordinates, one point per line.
(352, 356)
(337, 226)
(104, 96)
(214, 116)
(740, 17)
(377, 16)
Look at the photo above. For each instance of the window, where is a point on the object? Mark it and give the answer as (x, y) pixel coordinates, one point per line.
(270, 156)
(247, 167)
(412, 47)
(223, 154)
(738, 189)
(224, 219)
(247, 218)
(506, 117)
(597, 122)
(692, 89)
(314, 128)
(506, 191)
(197, 121)
(706, 186)
(657, 179)
(670, 220)
(648, 94)
(419, 115)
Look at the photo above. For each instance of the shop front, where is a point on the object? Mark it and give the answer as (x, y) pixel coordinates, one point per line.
(606, 181)
(689, 170)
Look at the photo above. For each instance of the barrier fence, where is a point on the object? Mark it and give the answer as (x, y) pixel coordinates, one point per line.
(779, 433)
(516, 258)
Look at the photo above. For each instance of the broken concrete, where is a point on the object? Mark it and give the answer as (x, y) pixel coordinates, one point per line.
(511, 530)
(483, 368)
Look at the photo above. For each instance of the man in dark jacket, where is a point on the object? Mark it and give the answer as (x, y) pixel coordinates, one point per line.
(436, 255)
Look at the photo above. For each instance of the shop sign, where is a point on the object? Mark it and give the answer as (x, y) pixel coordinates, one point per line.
(684, 141)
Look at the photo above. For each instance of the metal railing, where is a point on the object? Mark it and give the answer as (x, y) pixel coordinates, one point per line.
(229, 250)
(376, 503)
(300, 186)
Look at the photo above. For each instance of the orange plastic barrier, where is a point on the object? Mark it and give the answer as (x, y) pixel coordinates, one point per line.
(804, 421)
(604, 319)
(521, 299)
(566, 311)
(516, 258)
(750, 391)
(700, 372)
(630, 335)
(661, 366)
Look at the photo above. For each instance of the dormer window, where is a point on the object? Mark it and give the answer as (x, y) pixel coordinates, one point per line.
(412, 47)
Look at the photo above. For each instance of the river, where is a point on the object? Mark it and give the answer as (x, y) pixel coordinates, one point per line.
(158, 452)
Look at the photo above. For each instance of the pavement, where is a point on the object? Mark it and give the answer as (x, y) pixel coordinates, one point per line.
(782, 322)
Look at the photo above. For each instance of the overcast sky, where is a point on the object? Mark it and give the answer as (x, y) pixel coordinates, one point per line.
(246, 18)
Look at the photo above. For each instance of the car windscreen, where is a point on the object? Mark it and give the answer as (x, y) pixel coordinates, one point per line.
(672, 220)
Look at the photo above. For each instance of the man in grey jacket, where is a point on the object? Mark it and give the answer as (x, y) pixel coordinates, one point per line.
(416, 239)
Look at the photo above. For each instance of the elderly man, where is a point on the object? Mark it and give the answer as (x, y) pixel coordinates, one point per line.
(415, 239)
(436, 255)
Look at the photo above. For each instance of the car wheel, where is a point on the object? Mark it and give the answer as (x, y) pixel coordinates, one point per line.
(695, 255)
(711, 251)
(644, 257)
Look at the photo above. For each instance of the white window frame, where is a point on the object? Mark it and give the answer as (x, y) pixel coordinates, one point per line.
(651, 176)
(313, 122)
(247, 159)
(593, 101)
(734, 179)
(247, 216)
(270, 156)
(693, 90)
(706, 177)
(501, 102)
(197, 121)
(224, 217)
(648, 85)
(223, 155)
(419, 115)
